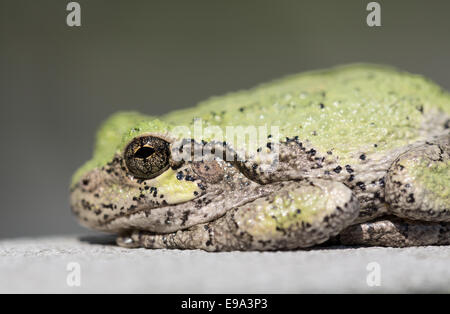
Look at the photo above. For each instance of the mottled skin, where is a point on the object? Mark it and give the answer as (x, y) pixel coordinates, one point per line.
(364, 157)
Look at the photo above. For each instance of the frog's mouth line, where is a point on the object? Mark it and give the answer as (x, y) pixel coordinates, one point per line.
(147, 212)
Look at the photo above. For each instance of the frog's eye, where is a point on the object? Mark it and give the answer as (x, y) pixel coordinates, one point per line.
(147, 156)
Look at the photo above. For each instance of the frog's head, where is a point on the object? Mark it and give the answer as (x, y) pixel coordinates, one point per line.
(134, 181)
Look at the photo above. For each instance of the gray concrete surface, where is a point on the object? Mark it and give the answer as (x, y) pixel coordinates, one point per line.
(40, 265)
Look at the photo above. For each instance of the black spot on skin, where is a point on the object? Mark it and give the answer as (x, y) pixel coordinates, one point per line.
(169, 215)
(329, 152)
(337, 169)
(420, 108)
(185, 217)
(375, 145)
(86, 205)
(447, 124)
(299, 211)
(312, 152)
(189, 178)
(348, 168)
(351, 178)
(361, 185)
(85, 182)
(321, 106)
(362, 157)
(180, 175)
(410, 198)
(241, 109)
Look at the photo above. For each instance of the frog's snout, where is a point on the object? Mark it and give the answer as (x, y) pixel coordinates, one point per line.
(86, 200)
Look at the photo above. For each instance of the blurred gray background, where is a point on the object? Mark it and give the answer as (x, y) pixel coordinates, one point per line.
(58, 83)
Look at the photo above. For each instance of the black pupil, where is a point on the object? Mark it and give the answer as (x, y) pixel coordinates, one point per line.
(144, 152)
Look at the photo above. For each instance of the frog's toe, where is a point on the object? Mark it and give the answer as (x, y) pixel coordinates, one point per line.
(129, 241)
(418, 183)
(396, 232)
(195, 237)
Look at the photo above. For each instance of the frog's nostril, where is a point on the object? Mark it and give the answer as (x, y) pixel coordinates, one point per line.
(144, 152)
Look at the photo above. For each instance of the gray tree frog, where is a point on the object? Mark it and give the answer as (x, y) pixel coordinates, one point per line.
(363, 159)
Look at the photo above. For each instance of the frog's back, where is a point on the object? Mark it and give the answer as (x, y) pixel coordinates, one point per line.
(344, 109)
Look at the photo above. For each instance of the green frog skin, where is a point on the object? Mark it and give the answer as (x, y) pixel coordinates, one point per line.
(363, 159)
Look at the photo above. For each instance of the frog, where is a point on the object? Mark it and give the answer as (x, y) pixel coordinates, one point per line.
(361, 157)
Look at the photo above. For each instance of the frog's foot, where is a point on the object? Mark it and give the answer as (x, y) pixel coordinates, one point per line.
(418, 182)
(299, 215)
(396, 232)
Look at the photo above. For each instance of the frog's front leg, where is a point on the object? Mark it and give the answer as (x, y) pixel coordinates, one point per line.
(396, 232)
(418, 182)
(300, 214)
